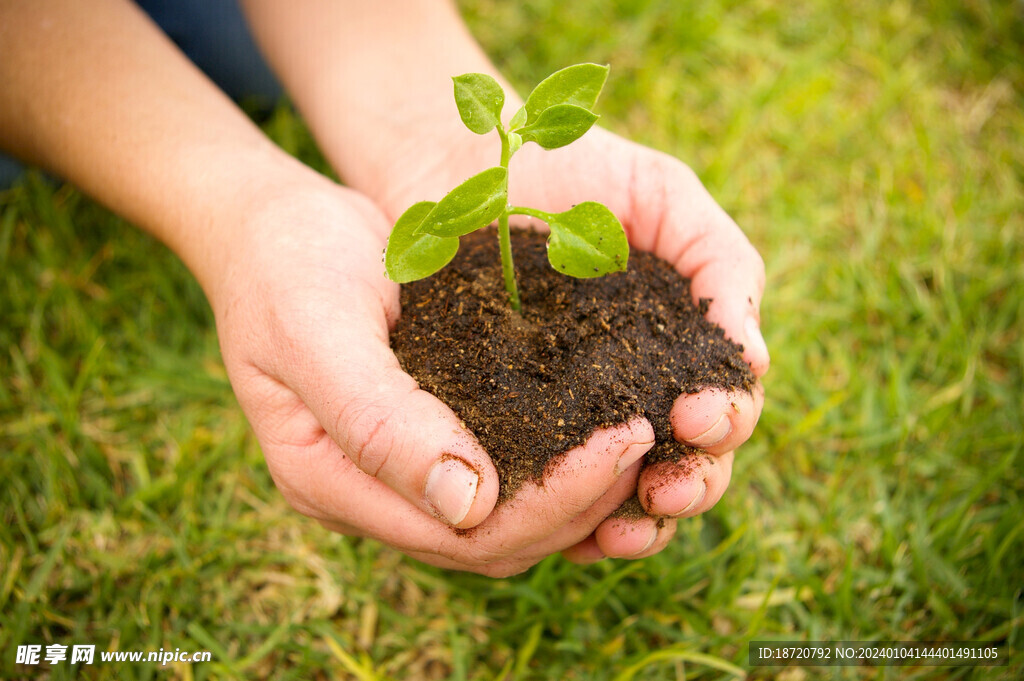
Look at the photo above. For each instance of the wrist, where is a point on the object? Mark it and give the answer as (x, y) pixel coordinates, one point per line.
(415, 148)
(217, 199)
(382, 111)
(425, 156)
(280, 226)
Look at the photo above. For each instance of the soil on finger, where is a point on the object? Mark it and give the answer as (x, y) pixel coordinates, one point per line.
(584, 353)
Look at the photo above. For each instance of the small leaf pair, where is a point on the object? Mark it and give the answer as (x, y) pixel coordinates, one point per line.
(586, 241)
(558, 111)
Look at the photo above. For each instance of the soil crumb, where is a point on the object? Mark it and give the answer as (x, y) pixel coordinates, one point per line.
(584, 353)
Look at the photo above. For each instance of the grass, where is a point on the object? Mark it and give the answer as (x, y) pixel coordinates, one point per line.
(873, 154)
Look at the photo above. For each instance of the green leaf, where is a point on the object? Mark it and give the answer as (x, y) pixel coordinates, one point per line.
(515, 141)
(479, 98)
(475, 203)
(559, 125)
(579, 85)
(410, 256)
(587, 241)
(518, 120)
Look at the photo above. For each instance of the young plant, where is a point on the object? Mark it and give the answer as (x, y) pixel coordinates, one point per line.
(585, 241)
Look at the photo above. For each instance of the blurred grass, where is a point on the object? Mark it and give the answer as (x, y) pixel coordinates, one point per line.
(873, 153)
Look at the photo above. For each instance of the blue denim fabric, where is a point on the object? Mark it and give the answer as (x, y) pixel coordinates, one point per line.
(215, 36)
(10, 170)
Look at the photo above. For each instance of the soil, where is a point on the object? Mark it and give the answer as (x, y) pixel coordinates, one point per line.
(584, 353)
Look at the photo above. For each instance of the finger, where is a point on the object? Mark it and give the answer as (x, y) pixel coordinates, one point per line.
(345, 500)
(716, 420)
(685, 488)
(409, 440)
(572, 536)
(506, 567)
(585, 552)
(700, 239)
(709, 248)
(634, 538)
(321, 482)
(725, 282)
(375, 510)
(666, 531)
(624, 537)
(575, 537)
(583, 525)
(577, 493)
(378, 416)
(573, 483)
(342, 528)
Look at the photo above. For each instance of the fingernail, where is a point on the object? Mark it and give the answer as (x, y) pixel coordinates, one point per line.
(649, 544)
(696, 500)
(714, 434)
(755, 341)
(451, 488)
(631, 455)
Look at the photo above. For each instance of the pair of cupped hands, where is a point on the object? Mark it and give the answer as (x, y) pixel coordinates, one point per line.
(304, 315)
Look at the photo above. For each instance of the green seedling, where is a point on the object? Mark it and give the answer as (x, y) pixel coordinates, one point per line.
(585, 241)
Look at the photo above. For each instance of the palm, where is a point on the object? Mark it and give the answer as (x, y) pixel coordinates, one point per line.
(665, 210)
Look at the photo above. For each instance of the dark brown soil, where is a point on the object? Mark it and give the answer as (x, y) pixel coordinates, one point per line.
(584, 354)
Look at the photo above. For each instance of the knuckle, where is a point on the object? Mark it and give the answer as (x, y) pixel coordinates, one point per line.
(365, 437)
(367, 428)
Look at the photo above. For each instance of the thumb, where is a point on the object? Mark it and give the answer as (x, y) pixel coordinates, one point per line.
(394, 431)
(682, 223)
(725, 268)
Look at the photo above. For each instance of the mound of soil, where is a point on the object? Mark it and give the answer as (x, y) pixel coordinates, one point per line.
(584, 353)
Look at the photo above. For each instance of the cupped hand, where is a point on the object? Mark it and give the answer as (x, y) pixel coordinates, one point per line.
(667, 211)
(303, 313)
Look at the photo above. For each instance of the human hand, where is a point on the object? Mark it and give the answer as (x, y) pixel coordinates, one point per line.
(665, 210)
(303, 312)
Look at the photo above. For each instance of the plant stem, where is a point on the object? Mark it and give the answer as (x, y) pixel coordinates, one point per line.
(504, 235)
(505, 243)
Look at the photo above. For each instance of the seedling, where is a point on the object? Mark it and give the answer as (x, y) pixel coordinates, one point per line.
(585, 241)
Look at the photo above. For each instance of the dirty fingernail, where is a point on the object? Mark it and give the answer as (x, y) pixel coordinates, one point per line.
(451, 489)
(696, 500)
(631, 455)
(650, 542)
(713, 435)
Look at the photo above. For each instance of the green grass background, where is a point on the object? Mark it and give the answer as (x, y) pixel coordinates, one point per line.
(874, 153)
